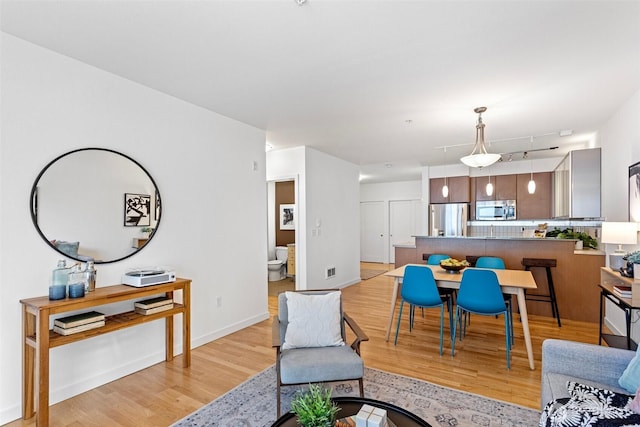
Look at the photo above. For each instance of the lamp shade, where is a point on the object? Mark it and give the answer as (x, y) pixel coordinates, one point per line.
(480, 160)
(620, 233)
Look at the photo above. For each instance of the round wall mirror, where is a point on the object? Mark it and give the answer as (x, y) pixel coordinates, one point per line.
(95, 204)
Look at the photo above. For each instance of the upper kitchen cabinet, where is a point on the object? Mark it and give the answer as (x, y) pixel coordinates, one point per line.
(459, 190)
(504, 187)
(538, 204)
(576, 185)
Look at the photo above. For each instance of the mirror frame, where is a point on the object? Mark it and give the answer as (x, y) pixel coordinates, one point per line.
(33, 202)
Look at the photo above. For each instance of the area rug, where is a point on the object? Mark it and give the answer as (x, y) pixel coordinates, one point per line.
(253, 403)
(367, 273)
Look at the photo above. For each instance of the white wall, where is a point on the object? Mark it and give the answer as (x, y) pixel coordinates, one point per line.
(332, 220)
(328, 215)
(620, 141)
(214, 208)
(404, 190)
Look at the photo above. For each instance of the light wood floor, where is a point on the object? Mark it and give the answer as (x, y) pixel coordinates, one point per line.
(164, 393)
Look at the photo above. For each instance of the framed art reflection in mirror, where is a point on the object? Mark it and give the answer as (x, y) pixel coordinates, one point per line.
(77, 204)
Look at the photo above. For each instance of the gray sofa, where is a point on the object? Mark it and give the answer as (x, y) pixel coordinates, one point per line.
(588, 364)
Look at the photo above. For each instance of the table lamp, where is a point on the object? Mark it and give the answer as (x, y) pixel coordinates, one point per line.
(619, 233)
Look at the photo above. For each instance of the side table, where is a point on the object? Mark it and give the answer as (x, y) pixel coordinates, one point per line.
(609, 278)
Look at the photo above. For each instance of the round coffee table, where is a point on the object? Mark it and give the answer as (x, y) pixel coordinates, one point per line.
(351, 405)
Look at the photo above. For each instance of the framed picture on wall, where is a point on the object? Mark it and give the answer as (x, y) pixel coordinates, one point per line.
(287, 217)
(137, 210)
(634, 192)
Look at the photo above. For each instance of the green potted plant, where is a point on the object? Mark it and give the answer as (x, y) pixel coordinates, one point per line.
(147, 230)
(633, 260)
(568, 233)
(314, 407)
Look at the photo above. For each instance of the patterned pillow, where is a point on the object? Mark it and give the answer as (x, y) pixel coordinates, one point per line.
(589, 406)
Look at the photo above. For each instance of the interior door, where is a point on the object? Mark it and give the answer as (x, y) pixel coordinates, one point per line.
(402, 224)
(372, 231)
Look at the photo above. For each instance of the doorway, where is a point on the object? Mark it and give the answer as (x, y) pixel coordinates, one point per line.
(282, 231)
(402, 224)
(372, 231)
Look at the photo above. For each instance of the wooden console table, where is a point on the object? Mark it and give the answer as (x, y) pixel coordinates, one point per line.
(38, 338)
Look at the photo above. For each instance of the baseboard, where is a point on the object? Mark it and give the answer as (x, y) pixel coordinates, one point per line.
(613, 328)
(235, 327)
(349, 283)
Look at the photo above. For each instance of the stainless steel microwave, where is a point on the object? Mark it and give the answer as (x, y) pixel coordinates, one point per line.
(496, 210)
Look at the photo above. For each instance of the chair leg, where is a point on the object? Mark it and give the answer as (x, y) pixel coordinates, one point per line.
(361, 385)
(450, 310)
(512, 337)
(399, 318)
(507, 324)
(278, 398)
(453, 337)
(441, 326)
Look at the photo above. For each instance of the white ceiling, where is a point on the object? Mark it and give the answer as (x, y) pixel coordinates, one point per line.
(372, 82)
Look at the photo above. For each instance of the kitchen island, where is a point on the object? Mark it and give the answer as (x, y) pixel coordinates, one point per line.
(575, 277)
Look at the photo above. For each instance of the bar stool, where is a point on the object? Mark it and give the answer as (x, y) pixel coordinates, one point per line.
(546, 263)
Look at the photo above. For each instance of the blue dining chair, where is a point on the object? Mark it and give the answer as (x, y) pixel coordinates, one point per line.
(490, 262)
(480, 293)
(497, 263)
(419, 289)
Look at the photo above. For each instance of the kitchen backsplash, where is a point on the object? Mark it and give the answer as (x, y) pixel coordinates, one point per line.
(525, 228)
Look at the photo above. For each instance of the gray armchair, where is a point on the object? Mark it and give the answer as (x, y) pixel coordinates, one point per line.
(588, 364)
(295, 366)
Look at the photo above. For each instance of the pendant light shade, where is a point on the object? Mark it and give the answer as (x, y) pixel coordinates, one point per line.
(489, 187)
(531, 186)
(479, 157)
(445, 190)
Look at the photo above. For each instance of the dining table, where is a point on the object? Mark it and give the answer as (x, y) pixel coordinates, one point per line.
(512, 282)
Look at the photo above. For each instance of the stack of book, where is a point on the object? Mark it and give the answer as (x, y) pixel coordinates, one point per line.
(153, 305)
(78, 323)
(622, 291)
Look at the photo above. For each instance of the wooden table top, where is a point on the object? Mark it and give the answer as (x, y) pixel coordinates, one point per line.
(511, 278)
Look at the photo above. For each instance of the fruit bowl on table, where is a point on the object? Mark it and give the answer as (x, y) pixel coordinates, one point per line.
(454, 268)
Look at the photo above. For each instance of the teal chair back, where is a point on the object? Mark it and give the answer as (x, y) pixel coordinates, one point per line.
(480, 292)
(435, 259)
(490, 262)
(419, 287)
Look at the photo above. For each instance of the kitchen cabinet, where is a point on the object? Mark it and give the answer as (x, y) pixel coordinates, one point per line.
(576, 185)
(538, 204)
(504, 187)
(459, 190)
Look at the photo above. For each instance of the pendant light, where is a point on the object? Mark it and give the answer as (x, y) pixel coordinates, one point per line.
(445, 187)
(479, 158)
(489, 188)
(531, 186)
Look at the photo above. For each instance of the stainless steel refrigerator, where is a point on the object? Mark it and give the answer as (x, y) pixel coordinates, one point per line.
(448, 219)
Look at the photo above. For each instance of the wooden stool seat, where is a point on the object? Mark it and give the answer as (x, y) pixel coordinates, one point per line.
(545, 263)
